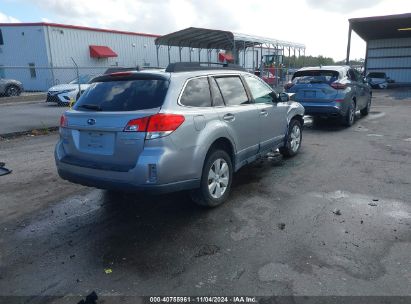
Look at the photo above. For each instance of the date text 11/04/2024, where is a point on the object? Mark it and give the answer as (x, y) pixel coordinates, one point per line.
(235, 299)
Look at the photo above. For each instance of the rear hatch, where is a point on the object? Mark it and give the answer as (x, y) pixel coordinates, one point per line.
(314, 85)
(93, 132)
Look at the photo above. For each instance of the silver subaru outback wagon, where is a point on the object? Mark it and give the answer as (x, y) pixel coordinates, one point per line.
(188, 127)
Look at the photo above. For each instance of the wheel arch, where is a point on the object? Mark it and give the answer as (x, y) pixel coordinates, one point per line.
(225, 144)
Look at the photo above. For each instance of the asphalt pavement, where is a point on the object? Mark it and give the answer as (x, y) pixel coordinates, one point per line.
(25, 116)
(333, 221)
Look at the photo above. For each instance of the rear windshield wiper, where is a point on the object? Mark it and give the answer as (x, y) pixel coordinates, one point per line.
(91, 107)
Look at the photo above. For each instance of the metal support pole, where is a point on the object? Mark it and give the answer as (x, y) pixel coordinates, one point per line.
(158, 60)
(190, 50)
(199, 54)
(347, 59)
(78, 77)
(253, 59)
(289, 57)
(366, 59)
(304, 57)
(261, 61)
(295, 59)
(244, 54)
(168, 49)
(179, 52)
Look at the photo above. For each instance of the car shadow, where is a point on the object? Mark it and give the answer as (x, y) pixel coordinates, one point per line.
(331, 124)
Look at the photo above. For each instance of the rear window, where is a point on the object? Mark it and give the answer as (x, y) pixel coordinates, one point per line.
(197, 93)
(124, 95)
(315, 76)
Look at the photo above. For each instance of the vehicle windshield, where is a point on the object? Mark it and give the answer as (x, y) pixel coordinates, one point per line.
(315, 76)
(123, 95)
(83, 79)
(376, 75)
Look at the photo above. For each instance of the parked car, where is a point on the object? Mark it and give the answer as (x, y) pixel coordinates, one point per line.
(331, 91)
(63, 94)
(164, 131)
(378, 80)
(10, 87)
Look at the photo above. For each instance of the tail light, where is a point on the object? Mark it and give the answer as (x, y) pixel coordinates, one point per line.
(156, 126)
(121, 74)
(338, 86)
(288, 85)
(63, 121)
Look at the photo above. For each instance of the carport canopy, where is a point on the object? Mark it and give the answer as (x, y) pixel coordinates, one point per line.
(202, 38)
(382, 27)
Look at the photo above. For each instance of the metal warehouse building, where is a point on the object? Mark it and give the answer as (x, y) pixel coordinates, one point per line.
(47, 49)
(44, 54)
(388, 40)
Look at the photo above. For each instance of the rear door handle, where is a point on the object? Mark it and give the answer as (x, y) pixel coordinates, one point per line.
(263, 113)
(229, 117)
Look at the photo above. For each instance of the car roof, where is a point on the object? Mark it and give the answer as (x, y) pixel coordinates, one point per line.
(326, 67)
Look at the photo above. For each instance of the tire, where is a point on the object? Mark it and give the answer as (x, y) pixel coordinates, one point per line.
(294, 138)
(366, 110)
(349, 118)
(13, 90)
(217, 170)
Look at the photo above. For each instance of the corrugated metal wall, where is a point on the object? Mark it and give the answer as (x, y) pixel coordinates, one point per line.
(392, 56)
(24, 45)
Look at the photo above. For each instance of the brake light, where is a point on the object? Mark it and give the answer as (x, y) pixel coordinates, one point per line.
(156, 126)
(137, 125)
(338, 86)
(288, 85)
(63, 121)
(120, 74)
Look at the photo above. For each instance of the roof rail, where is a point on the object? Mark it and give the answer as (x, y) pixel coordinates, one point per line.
(201, 66)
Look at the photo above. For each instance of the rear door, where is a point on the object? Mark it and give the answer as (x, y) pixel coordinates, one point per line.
(363, 90)
(272, 118)
(94, 134)
(239, 115)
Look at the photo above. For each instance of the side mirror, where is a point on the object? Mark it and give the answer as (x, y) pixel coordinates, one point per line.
(284, 97)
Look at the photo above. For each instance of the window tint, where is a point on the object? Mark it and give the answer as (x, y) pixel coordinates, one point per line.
(259, 90)
(315, 76)
(196, 93)
(125, 95)
(232, 90)
(217, 97)
(1, 38)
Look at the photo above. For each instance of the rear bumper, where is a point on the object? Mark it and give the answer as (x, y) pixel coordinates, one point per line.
(332, 109)
(168, 175)
(117, 185)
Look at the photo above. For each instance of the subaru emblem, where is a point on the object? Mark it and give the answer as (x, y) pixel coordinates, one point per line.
(91, 121)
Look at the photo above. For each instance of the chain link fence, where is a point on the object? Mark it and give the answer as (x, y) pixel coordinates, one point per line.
(60, 85)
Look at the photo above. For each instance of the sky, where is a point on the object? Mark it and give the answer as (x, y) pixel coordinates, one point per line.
(322, 25)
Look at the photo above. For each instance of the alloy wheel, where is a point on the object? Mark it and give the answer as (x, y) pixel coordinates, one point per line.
(218, 178)
(295, 138)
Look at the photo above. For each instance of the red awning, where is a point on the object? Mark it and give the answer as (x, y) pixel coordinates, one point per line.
(225, 57)
(101, 51)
